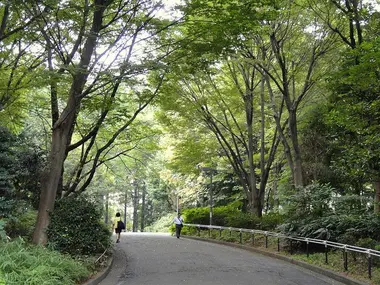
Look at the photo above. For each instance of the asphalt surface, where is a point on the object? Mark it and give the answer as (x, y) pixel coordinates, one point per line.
(160, 259)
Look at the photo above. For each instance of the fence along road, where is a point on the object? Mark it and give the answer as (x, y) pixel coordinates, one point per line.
(160, 259)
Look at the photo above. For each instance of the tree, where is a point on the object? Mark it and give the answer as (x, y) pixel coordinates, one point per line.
(104, 29)
(356, 100)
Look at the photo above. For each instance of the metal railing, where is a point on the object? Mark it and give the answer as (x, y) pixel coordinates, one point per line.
(370, 253)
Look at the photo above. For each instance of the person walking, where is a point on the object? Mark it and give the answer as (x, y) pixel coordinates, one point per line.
(178, 224)
(118, 226)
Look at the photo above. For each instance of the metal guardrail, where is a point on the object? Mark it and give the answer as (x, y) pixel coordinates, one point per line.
(345, 247)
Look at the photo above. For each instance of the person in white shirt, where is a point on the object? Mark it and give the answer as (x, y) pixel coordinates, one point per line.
(178, 224)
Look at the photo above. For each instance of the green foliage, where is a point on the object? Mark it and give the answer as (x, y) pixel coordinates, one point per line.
(315, 211)
(161, 225)
(353, 116)
(76, 227)
(3, 234)
(311, 201)
(34, 265)
(22, 225)
(197, 216)
(6, 163)
(230, 216)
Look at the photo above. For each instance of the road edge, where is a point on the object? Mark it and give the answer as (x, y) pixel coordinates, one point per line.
(326, 272)
(97, 278)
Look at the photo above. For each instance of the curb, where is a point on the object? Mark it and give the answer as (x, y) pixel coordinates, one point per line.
(100, 275)
(326, 272)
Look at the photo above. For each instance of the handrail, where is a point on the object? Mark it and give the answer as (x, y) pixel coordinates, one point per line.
(346, 247)
(297, 238)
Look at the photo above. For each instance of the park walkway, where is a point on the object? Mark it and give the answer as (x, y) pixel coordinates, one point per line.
(160, 259)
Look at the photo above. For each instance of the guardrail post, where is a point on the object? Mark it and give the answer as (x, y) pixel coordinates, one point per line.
(230, 232)
(241, 237)
(253, 238)
(209, 232)
(266, 239)
(278, 243)
(326, 260)
(199, 231)
(220, 232)
(345, 259)
(307, 248)
(369, 265)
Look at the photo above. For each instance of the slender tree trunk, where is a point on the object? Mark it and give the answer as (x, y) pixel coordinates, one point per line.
(125, 208)
(143, 208)
(106, 209)
(135, 208)
(298, 171)
(63, 129)
(377, 197)
(254, 204)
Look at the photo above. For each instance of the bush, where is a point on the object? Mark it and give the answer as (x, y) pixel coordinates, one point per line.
(3, 234)
(271, 221)
(161, 225)
(35, 265)
(76, 227)
(230, 216)
(22, 226)
(243, 220)
(315, 212)
(197, 216)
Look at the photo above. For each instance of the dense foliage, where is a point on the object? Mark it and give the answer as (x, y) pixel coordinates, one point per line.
(24, 264)
(76, 227)
(231, 216)
(319, 211)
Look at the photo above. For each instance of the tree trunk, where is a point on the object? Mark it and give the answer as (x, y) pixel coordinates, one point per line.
(298, 171)
(377, 197)
(135, 208)
(143, 209)
(50, 182)
(63, 129)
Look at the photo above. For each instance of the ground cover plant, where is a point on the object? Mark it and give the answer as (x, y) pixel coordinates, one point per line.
(21, 263)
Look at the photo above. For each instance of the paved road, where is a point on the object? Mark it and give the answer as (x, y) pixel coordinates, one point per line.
(160, 259)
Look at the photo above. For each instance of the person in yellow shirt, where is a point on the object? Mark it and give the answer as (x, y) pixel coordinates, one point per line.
(118, 227)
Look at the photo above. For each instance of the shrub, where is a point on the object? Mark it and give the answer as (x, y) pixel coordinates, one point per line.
(271, 221)
(243, 220)
(197, 216)
(230, 216)
(315, 212)
(22, 226)
(161, 225)
(3, 234)
(76, 227)
(34, 265)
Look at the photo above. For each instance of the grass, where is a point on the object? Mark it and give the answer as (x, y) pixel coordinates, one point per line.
(21, 263)
(357, 263)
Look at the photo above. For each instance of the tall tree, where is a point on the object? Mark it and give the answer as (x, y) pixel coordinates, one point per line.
(98, 56)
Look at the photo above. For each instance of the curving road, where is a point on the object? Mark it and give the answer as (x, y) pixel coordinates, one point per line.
(160, 259)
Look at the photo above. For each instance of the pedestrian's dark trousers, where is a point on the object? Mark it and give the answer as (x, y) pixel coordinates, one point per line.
(178, 229)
